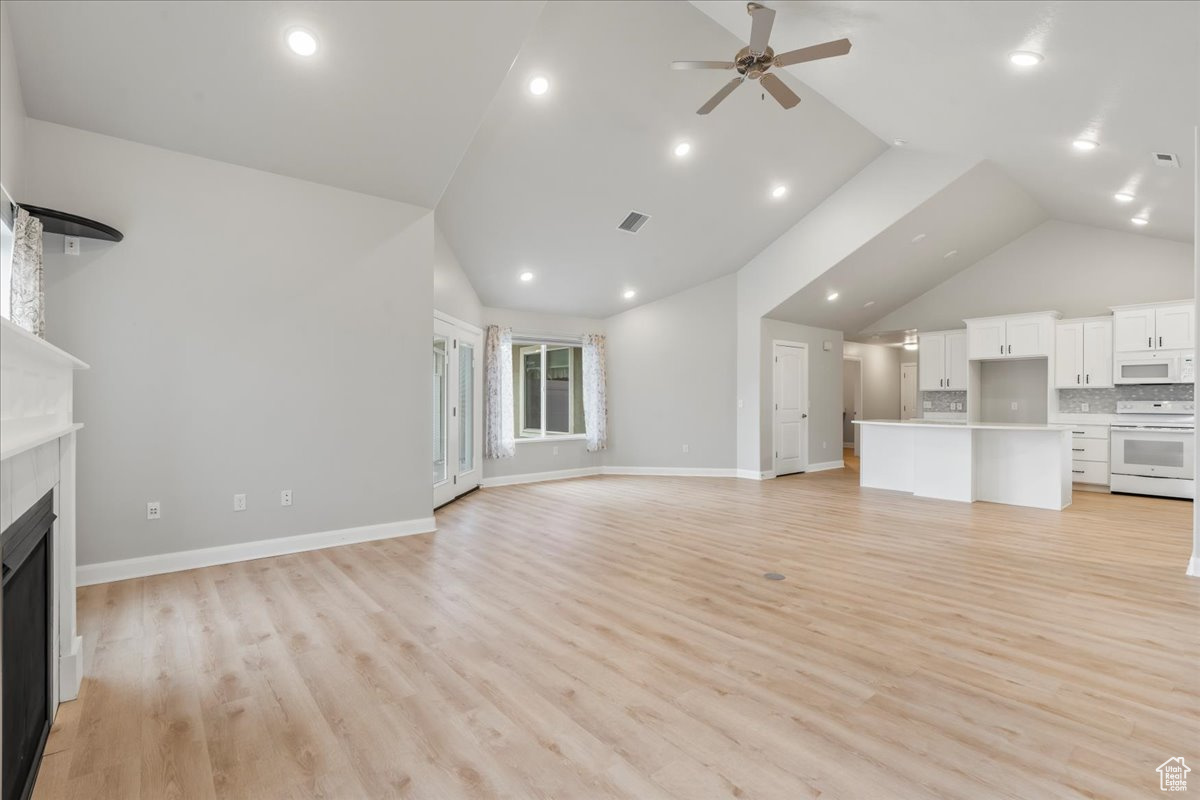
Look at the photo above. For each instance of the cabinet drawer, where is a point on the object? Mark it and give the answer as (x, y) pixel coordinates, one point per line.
(1089, 472)
(1089, 450)
(1089, 431)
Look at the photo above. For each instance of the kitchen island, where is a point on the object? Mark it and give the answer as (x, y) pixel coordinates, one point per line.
(1014, 463)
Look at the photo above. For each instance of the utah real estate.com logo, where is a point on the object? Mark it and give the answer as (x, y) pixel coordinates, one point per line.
(1172, 775)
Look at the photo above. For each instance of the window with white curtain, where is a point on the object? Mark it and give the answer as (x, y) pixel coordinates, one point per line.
(548, 389)
(6, 256)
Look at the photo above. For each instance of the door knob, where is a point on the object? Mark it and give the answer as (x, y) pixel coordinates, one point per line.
(804, 416)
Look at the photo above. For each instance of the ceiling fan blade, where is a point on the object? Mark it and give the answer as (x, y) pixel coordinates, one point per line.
(779, 90)
(701, 65)
(760, 29)
(818, 51)
(721, 95)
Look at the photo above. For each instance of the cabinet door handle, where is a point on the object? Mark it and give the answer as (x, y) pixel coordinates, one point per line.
(1080, 433)
(1160, 341)
(1149, 341)
(1077, 378)
(1010, 349)
(1077, 471)
(1087, 378)
(1076, 449)
(1001, 349)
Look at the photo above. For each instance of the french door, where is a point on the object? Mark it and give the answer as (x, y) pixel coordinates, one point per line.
(457, 408)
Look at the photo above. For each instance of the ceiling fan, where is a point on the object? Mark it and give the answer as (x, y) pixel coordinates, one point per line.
(754, 60)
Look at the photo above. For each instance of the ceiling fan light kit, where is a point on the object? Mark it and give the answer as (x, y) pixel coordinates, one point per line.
(754, 61)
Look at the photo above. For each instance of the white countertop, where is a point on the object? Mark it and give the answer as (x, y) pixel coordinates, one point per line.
(986, 426)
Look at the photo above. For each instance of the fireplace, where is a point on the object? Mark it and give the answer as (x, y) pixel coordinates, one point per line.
(26, 650)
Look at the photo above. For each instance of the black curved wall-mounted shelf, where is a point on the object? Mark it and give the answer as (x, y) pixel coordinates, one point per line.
(72, 225)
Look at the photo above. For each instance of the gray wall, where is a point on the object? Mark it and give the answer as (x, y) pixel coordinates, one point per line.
(12, 115)
(824, 388)
(881, 378)
(452, 290)
(252, 333)
(1076, 269)
(1004, 382)
(672, 380)
(540, 456)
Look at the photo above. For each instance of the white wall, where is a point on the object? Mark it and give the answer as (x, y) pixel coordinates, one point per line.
(1079, 270)
(252, 333)
(12, 115)
(452, 290)
(540, 456)
(885, 191)
(824, 388)
(671, 380)
(881, 378)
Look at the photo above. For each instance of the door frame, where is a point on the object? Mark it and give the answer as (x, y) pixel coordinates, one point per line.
(916, 389)
(459, 331)
(775, 411)
(858, 401)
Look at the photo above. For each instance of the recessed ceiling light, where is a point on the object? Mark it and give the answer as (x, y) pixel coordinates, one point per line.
(1123, 197)
(951, 254)
(1140, 221)
(539, 85)
(1085, 145)
(682, 149)
(899, 142)
(918, 237)
(302, 42)
(910, 345)
(629, 294)
(526, 276)
(1025, 58)
(778, 192)
(868, 304)
(831, 296)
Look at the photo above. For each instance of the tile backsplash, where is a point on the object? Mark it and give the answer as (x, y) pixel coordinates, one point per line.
(1104, 401)
(943, 400)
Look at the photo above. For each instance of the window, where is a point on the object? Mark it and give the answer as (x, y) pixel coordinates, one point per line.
(548, 389)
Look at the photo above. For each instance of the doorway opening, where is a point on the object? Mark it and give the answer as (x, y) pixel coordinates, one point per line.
(908, 390)
(852, 401)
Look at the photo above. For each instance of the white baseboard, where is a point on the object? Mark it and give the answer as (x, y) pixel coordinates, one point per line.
(755, 475)
(538, 477)
(824, 465)
(70, 671)
(672, 472)
(88, 574)
(1194, 567)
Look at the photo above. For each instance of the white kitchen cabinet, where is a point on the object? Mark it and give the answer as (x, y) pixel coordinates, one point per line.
(958, 367)
(1016, 336)
(1083, 354)
(1174, 327)
(1097, 354)
(931, 362)
(1158, 326)
(942, 363)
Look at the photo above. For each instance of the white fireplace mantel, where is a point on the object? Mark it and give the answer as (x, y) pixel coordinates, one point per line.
(37, 454)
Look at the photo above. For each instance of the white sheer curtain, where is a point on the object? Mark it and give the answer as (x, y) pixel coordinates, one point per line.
(28, 292)
(499, 439)
(595, 393)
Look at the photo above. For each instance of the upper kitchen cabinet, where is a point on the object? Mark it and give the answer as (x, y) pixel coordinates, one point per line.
(1157, 326)
(1015, 336)
(1083, 354)
(942, 361)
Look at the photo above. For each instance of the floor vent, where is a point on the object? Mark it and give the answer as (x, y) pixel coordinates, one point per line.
(773, 576)
(1166, 159)
(634, 222)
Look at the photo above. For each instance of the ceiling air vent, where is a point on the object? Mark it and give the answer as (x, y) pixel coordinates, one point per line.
(1166, 159)
(634, 222)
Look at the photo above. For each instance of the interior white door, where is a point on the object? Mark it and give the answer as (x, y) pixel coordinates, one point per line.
(444, 407)
(931, 360)
(908, 391)
(1097, 354)
(1174, 328)
(1133, 330)
(958, 366)
(1068, 355)
(791, 407)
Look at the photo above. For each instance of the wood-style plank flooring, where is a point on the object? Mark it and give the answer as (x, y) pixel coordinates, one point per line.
(614, 637)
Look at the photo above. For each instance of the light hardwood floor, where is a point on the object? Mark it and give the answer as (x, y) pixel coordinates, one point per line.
(614, 637)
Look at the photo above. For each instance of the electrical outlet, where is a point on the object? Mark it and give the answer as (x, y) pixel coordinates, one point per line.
(824, 445)
(1013, 405)
(152, 510)
(285, 497)
(685, 448)
(1084, 407)
(555, 450)
(71, 245)
(927, 405)
(239, 502)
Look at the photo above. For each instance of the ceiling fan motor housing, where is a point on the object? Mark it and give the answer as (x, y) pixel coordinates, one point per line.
(751, 65)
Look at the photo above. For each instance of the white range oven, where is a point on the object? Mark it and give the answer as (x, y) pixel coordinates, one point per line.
(1153, 448)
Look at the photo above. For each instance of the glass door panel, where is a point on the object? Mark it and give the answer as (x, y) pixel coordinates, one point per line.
(466, 407)
(440, 429)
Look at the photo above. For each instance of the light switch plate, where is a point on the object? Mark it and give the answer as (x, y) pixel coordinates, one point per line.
(239, 502)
